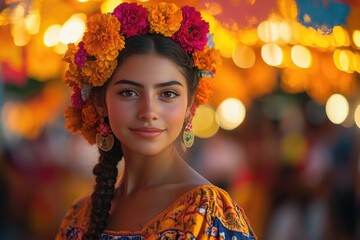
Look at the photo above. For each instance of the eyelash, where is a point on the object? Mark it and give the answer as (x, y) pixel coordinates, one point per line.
(125, 93)
(175, 94)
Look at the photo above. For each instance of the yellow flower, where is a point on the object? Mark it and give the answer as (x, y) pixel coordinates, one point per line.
(102, 38)
(165, 18)
(208, 59)
(203, 91)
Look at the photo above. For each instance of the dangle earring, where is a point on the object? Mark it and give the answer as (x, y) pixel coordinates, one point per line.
(104, 136)
(188, 135)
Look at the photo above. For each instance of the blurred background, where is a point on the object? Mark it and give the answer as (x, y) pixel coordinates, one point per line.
(281, 133)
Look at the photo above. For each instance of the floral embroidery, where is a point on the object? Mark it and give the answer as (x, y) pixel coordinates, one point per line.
(204, 212)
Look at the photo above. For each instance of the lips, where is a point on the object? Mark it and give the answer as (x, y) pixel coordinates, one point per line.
(147, 132)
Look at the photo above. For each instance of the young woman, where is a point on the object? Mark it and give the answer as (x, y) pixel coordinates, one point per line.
(138, 75)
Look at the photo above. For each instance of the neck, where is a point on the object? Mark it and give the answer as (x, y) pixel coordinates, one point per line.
(149, 171)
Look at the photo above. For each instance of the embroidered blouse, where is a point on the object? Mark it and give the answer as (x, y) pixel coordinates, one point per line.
(205, 212)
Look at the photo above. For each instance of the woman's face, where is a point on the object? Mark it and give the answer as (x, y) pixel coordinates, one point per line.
(147, 102)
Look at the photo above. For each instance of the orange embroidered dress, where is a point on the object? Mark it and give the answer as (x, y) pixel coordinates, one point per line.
(205, 212)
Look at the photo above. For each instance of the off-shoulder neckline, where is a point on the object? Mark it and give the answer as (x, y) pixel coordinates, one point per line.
(163, 212)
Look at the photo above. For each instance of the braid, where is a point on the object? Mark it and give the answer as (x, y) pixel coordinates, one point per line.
(106, 174)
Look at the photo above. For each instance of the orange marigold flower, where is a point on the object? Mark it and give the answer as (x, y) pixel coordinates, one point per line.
(69, 56)
(203, 91)
(89, 134)
(103, 35)
(73, 119)
(89, 115)
(165, 18)
(208, 59)
(72, 75)
(98, 72)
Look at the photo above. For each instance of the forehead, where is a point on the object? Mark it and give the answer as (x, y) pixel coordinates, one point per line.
(148, 68)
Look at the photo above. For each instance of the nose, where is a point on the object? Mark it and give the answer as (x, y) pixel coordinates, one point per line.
(147, 110)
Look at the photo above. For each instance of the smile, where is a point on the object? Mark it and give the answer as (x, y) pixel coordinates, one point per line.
(147, 132)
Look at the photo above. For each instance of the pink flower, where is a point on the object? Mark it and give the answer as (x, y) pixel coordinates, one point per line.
(103, 128)
(192, 33)
(133, 19)
(81, 55)
(76, 99)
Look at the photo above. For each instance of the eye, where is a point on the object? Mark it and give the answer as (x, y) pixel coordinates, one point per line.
(128, 93)
(169, 94)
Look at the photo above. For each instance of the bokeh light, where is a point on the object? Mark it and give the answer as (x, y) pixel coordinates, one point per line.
(225, 41)
(73, 29)
(204, 123)
(21, 36)
(32, 23)
(109, 5)
(52, 34)
(60, 48)
(357, 116)
(337, 108)
(272, 54)
(268, 31)
(285, 31)
(301, 56)
(341, 36)
(243, 56)
(356, 38)
(231, 113)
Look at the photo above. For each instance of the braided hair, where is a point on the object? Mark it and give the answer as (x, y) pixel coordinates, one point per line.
(106, 169)
(106, 174)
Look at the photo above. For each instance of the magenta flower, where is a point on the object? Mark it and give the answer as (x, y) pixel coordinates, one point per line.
(81, 55)
(76, 99)
(104, 129)
(133, 19)
(192, 33)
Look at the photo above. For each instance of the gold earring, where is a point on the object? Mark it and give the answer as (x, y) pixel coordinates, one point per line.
(105, 143)
(188, 135)
(104, 137)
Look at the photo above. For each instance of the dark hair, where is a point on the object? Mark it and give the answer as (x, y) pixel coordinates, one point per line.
(106, 169)
(166, 47)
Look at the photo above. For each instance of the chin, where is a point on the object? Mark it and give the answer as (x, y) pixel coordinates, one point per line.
(147, 149)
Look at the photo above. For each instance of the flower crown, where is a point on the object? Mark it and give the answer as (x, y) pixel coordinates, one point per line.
(93, 60)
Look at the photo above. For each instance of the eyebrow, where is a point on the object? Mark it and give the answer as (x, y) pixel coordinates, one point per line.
(159, 85)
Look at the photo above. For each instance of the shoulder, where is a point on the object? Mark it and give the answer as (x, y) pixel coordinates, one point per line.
(79, 210)
(75, 219)
(210, 211)
(228, 217)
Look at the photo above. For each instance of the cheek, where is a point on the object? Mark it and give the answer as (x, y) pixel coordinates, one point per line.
(176, 114)
(117, 112)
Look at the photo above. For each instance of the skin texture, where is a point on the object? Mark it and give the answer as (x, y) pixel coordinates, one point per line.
(147, 103)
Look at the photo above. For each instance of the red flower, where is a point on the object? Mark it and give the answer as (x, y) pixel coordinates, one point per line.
(76, 99)
(192, 33)
(133, 19)
(81, 55)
